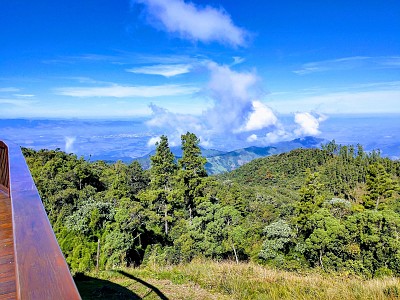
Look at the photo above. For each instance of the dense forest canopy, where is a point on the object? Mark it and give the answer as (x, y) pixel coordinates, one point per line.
(336, 208)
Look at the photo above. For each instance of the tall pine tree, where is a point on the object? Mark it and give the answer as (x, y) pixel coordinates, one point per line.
(192, 170)
(163, 169)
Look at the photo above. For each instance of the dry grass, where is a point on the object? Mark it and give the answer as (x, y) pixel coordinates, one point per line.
(226, 280)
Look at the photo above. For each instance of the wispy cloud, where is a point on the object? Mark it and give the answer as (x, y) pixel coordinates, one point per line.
(237, 60)
(384, 85)
(349, 102)
(9, 90)
(17, 102)
(192, 22)
(24, 95)
(90, 57)
(163, 70)
(120, 91)
(392, 62)
(348, 63)
(334, 64)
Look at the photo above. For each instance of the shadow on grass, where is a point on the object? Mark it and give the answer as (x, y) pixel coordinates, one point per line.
(151, 287)
(94, 288)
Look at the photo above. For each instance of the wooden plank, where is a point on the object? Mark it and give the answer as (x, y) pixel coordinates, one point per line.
(7, 287)
(7, 263)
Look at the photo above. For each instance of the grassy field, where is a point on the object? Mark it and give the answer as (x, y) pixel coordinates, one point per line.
(227, 280)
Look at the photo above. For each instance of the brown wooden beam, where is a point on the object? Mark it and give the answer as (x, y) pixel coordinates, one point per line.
(40, 267)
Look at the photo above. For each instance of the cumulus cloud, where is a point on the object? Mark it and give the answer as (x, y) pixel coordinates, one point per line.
(277, 135)
(69, 143)
(189, 21)
(233, 113)
(261, 117)
(152, 141)
(252, 138)
(173, 124)
(308, 124)
(163, 70)
(232, 94)
(120, 91)
(233, 110)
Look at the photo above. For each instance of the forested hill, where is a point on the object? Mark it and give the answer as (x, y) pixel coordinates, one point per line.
(220, 161)
(342, 171)
(336, 208)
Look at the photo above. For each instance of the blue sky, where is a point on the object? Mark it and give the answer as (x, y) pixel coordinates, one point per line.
(211, 67)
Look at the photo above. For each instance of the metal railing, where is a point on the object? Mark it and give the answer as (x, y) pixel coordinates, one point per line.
(40, 267)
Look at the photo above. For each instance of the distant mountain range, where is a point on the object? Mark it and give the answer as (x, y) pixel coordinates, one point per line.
(220, 161)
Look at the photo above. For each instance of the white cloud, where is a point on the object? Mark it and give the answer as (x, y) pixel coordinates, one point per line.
(205, 142)
(69, 144)
(252, 138)
(174, 124)
(277, 135)
(232, 110)
(308, 124)
(24, 95)
(237, 60)
(261, 117)
(17, 102)
(232, 93)
(374, 101)
(152, 141)
(90, 57)
(120, 91)
(9, 90)
(163, 70)
(205, 24)
(348, 63)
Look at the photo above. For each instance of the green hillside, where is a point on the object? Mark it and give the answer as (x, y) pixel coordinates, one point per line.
(221, 162)
(335, 209)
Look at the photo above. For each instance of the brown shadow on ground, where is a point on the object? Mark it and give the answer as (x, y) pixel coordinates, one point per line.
(151, 287)
(94, 288)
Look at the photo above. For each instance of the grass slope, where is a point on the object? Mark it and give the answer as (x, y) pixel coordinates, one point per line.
(227, 280)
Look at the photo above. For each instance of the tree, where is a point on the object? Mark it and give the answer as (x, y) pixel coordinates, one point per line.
(192, 170)
(279, 240)
(325, 245)
(191, 156)
(311, 200)
(163, 166)
(376, 235)
(163, 169)
(379, 186)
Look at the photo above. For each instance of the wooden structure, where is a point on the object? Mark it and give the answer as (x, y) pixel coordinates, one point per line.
(32, 265)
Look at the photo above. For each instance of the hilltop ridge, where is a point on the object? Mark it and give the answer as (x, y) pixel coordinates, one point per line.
(225, 161)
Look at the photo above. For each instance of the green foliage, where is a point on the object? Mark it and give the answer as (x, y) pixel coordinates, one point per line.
(278, 243)
(191, 173)
(326, 244)
(336, 208)
(310, 201)
(380, 186)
